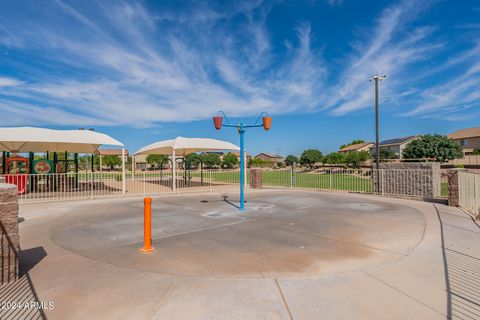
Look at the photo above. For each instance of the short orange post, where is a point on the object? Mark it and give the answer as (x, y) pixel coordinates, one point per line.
(147, 226)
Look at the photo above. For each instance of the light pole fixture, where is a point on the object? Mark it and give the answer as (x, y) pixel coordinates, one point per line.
(266, 124)
(377, 78)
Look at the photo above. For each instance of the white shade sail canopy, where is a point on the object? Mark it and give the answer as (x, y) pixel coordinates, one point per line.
(184, 146)
(29, 139)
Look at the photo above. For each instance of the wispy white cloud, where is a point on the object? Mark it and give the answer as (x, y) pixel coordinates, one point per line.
(391, 49)
(134, 79)
(125, 64)
(404, 52)
(9, 82)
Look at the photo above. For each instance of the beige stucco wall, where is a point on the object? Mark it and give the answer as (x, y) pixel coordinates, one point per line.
(10, 240)
(471, 143)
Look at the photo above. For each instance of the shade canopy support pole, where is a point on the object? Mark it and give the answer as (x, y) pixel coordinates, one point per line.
(124, 177)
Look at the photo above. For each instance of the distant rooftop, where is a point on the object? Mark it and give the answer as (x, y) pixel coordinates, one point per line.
(268, 155)
(356, 146)
(396, 140)
(465, 133)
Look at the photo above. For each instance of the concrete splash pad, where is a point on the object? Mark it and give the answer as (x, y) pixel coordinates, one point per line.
(282, 234)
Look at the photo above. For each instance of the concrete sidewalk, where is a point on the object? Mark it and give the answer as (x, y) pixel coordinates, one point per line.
(292, 255)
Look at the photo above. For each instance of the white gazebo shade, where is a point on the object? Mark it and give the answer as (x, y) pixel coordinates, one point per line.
(29, 139)
(182, 146)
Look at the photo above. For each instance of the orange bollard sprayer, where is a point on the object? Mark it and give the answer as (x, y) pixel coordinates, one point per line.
(147, 226)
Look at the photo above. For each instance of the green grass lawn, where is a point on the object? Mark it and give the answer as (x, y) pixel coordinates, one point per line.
(444, 189)
(326, 181)
(303, 180)
(345, 182)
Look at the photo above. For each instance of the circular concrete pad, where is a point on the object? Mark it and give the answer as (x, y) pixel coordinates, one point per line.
(282, 233)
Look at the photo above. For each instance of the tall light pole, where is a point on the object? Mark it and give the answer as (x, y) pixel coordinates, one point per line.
(377, 78)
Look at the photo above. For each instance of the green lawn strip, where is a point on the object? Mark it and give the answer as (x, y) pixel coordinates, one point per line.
(345, 181)
(444, 189)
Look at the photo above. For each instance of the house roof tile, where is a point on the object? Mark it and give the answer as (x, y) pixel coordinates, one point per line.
(465, 133)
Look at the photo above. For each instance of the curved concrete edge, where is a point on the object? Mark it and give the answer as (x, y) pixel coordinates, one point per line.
(412, 287)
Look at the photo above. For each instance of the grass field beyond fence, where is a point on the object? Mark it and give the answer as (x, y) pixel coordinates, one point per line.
(328, 181)
(444, 189)
(344, 180)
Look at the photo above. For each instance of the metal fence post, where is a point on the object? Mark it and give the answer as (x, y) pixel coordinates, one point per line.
(291, 176)
(91, 186)
(383, 183)
(330, 178)
(210, 180)
(475, 193)
(294, 174)
(144, 184)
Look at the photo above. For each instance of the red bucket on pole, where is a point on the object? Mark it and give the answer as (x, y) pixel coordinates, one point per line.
(217, 121)
(267, 123)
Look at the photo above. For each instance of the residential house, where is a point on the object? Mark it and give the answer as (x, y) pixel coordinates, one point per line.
(395, 145)
(357, 147)
(269, 157)
(111, 152)
(248, 156)
(220, 153)
(468, 139)
(140, 161)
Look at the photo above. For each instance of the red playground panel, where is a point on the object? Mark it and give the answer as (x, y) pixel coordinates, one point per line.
(17, 173)
(18, 179)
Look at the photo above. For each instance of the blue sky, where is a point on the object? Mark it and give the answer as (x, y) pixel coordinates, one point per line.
(147, 71)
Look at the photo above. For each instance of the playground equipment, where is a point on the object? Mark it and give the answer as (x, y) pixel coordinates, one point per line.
(187, 166)
(30, 174)
(266, 124)
(16, 169)
(42, 166)
(24, 140)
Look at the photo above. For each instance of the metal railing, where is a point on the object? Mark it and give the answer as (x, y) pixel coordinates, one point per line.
(393, 182)
(66, 186)
(88, 185)
(353, 180)
(469, 192)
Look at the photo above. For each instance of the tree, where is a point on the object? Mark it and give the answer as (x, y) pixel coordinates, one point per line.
(230, 160)
(355, 158)
(193, 159)
(291, 159)
(211, 160)
(433, 146)
(335, 158)
(387, 154)
(111, 161)
(310, 156)
(257, 162)
(156, 159)
(351, 143)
